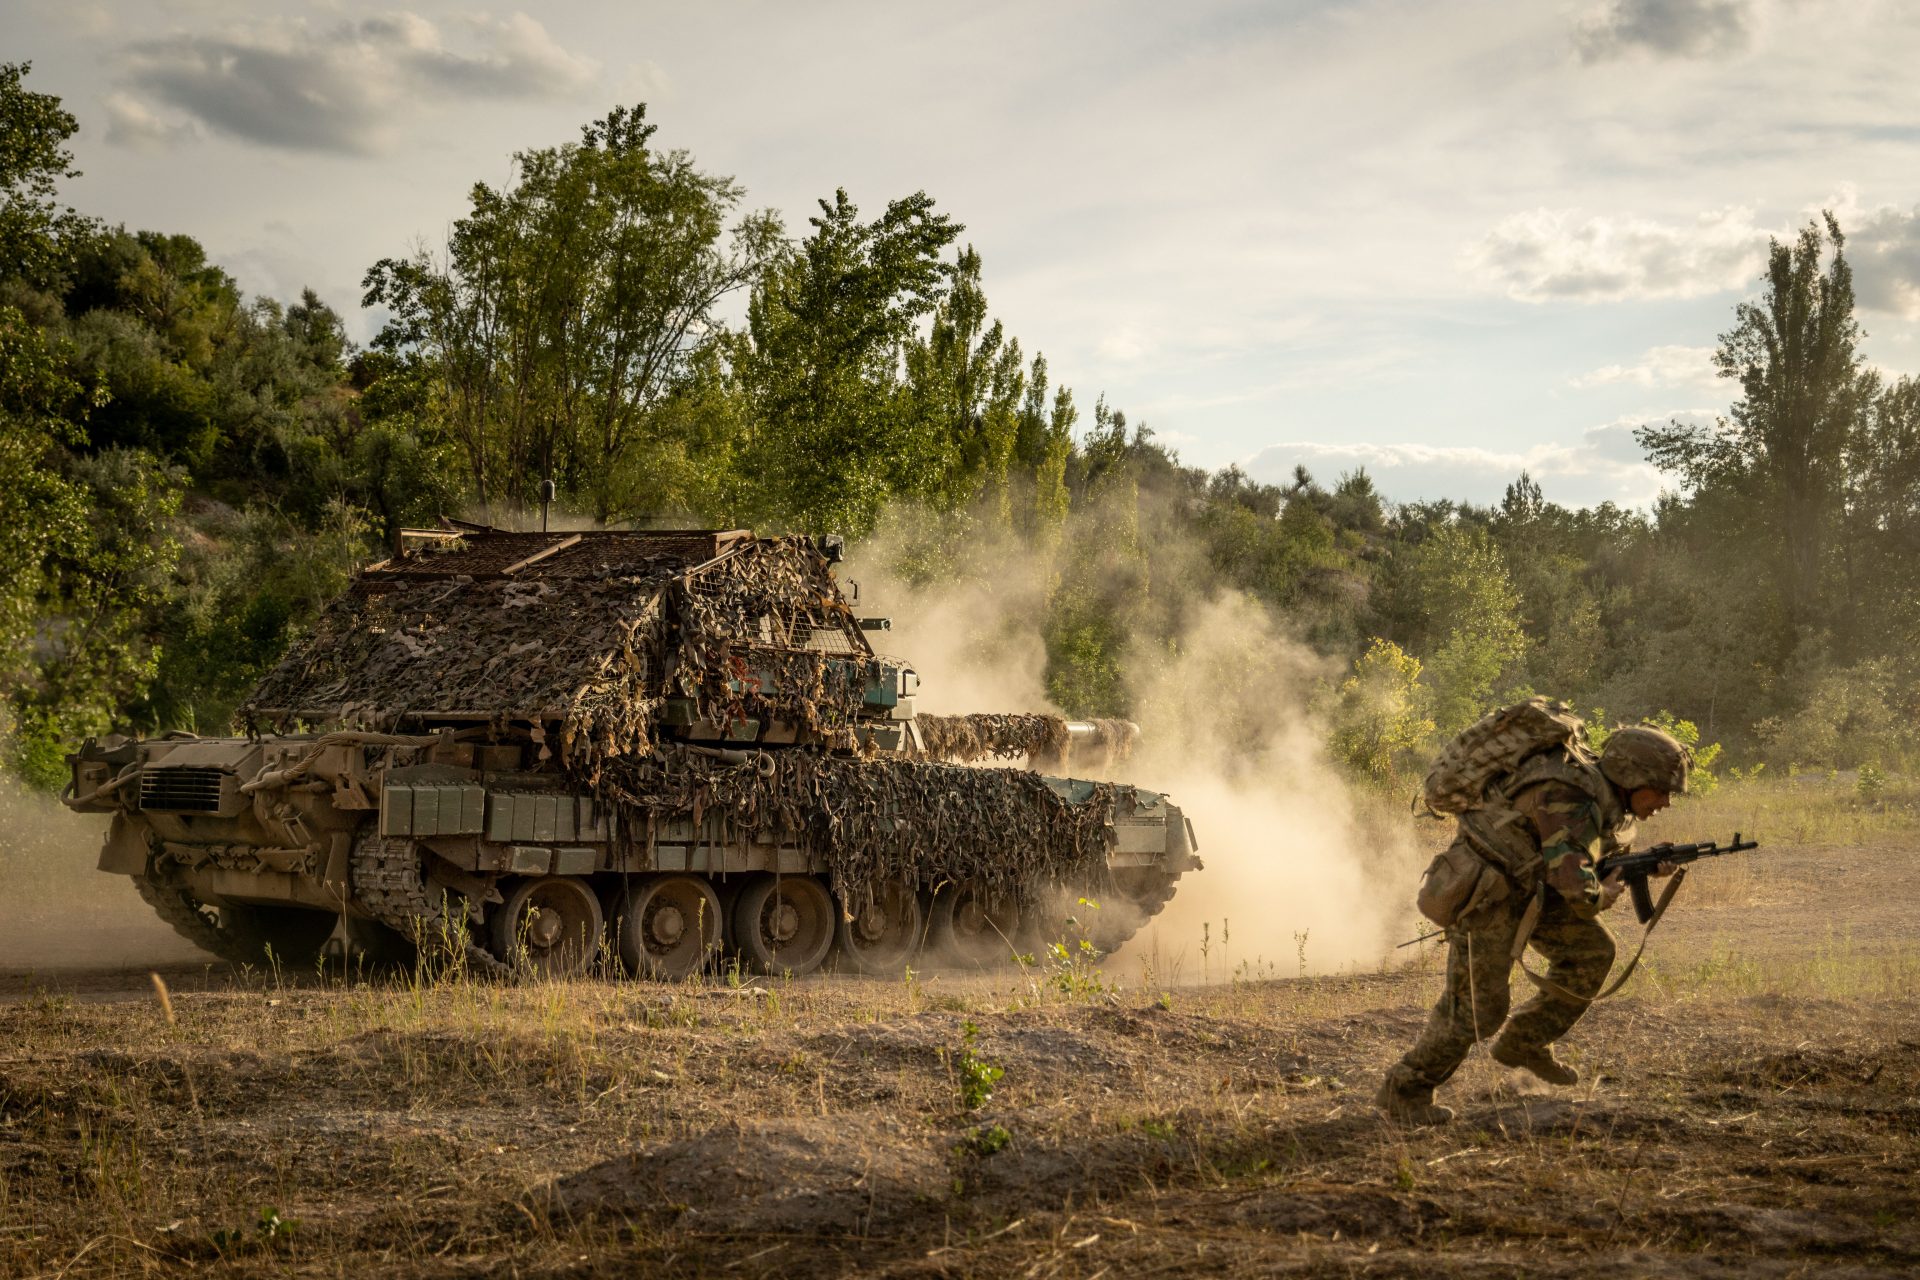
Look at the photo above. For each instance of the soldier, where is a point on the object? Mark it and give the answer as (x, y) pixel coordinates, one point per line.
(1572, 817)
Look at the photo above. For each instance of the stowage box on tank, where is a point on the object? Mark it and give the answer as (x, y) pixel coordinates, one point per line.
(533, 749)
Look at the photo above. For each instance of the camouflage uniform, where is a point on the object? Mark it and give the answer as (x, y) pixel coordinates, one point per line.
(1573, 833)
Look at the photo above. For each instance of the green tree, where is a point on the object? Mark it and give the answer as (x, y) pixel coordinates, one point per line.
(41, 509)
(1559, 611)
(1782, 449)
(1884, 521)
(1474, 632)
(1043, 441)
(966, 393)
(830, 434)
(570, 306)
(34, 229)
(94, 651)
(43, 405)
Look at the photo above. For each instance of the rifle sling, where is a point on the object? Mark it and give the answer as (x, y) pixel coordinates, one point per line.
(1528, 922)
(1548, 984)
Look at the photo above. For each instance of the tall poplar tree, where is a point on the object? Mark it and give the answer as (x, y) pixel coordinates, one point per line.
(1781, 453)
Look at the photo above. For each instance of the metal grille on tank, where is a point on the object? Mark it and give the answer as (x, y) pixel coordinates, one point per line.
(181, 790)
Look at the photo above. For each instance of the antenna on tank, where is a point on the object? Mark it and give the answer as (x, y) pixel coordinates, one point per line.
(546, 497)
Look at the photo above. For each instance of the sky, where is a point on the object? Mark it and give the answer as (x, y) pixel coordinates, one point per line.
(1446, 240)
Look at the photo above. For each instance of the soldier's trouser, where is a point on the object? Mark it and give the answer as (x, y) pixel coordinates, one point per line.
(1579, 954)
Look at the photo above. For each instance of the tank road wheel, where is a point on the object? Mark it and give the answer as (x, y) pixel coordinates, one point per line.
(972, 925)
(554, 922)
(884, 931)
(784, 924)
(671, 927)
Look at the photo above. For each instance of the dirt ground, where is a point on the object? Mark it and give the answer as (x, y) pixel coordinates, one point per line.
(1748, 1107)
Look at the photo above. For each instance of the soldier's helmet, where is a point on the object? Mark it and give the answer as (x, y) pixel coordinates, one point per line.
(1643, 756)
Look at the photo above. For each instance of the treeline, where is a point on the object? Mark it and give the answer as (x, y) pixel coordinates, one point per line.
(187, 474)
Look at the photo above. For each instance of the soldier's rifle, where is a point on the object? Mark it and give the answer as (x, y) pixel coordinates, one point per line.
(1637, 868)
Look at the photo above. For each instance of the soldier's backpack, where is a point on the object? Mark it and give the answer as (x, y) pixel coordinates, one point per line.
(1491, 750)
(1532, 741)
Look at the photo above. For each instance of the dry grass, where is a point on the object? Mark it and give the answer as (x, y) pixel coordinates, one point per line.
(1749, 1107)
(1807, 809)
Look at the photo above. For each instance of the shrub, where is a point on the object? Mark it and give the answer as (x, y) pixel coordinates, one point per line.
(1379, 729)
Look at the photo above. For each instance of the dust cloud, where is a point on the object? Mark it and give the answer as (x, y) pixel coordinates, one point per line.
(1302, 875)
(61, 913)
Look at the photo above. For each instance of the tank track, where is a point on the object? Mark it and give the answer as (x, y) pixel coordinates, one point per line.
(385, 876)
(184, 917)
(1142, 911)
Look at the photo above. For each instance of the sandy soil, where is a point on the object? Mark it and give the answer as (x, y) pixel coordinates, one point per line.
(1749, 1108)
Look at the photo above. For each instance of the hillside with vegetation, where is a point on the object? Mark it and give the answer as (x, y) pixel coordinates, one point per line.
(188, 473)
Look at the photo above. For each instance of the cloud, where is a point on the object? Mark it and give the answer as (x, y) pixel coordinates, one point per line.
(1665, 29)
(131, 123)
(1659, 367)
(516, 59)
(1604, 465)
(1884, 248)
(342, 89)
(1545, 255)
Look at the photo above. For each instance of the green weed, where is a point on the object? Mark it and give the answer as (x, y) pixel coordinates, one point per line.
(975, 1074)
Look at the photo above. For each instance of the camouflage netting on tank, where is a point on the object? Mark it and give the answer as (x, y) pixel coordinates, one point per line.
(1043, 739)
(744, 628)
(580, 652)
(872, 821)
(589, 638)
(1116, 739)
(966, 739)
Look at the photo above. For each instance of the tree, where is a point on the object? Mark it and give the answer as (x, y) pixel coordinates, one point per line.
(1043, 441)
(1473, 624)
(1782, 449)
(965, 384)
(830, 437)
(42, 404)
(107, 580)
(40, 507)
(1558, 608)
(34, 129)
(1884, 519)
(570, 305)
(1379, 728)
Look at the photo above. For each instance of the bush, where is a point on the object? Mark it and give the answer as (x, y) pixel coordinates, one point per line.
(1379, 729)
(1702, 780)
(1868, 713)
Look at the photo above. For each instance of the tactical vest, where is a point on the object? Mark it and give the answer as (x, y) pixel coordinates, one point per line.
(1499, 832)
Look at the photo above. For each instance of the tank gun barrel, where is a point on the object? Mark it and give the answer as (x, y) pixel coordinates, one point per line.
(1101, 731)
(1046, 742)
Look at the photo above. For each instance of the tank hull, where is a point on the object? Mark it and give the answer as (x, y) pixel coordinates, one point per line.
(411, 833)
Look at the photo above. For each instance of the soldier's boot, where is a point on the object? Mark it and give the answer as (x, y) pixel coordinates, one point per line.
(1407, 1100)
(1537, 1058)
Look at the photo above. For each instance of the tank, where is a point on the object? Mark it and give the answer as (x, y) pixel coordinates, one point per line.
(642, 751)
